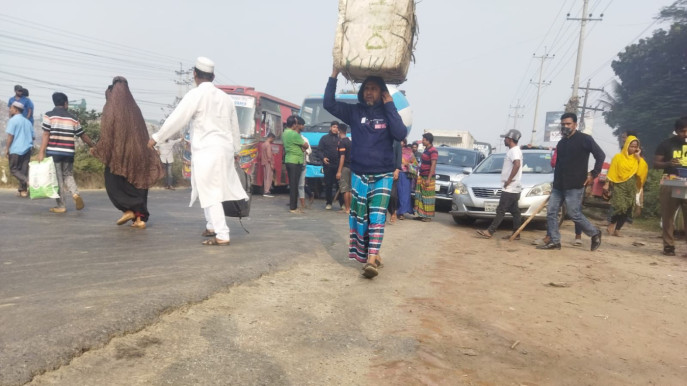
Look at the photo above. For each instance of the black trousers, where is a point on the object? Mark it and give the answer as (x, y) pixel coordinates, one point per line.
(620, 219)
(507, 203)
(330, 182)
(19, 167)
(294, 173)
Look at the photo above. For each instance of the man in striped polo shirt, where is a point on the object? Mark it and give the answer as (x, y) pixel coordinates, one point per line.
(60, 129)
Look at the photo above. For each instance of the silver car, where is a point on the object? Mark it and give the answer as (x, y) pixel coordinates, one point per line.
(477, 195)
(453, 164)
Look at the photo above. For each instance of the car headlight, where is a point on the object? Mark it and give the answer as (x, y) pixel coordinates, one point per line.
(461, 189)
(540, 190)
(457, 178)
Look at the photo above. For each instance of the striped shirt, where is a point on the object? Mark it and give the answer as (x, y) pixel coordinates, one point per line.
(64, 128)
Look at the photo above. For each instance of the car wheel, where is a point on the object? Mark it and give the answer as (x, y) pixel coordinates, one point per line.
(460, 220)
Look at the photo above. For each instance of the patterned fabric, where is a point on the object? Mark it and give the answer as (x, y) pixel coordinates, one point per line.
(623, 198)
(424, 197)
(64, 128)
(368, 214)
(430, 154)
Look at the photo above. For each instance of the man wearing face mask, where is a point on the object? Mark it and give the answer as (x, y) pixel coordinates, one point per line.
(670, 155)
(569, 179)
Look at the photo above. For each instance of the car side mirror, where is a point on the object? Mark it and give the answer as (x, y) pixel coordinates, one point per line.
(467, 170)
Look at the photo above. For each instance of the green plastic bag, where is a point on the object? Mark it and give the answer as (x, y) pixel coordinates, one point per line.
(43, 179)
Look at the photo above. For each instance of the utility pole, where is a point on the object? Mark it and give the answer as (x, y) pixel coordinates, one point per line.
(540, 83)
(184, 81)
(584, 103)
(574, 99)
(515, 115)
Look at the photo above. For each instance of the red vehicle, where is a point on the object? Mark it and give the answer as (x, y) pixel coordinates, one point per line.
(260, 114)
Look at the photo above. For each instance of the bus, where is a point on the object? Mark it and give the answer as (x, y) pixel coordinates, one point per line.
(260, 114)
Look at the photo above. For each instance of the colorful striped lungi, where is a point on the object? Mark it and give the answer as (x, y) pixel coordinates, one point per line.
(424, 197)
(370, 199)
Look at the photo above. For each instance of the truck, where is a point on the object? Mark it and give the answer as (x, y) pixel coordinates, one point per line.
(453, 138)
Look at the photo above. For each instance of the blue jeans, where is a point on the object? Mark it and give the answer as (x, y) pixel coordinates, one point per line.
(572, 197)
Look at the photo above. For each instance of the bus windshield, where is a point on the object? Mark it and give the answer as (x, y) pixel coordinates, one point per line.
(245, 110)
(316, 118)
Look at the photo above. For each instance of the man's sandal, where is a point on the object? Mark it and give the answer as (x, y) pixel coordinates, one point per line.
(208, 233)
(370, 271)
(484, 234)
(214, 242)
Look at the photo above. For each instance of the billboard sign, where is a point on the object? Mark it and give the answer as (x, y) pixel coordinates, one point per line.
(552, 128)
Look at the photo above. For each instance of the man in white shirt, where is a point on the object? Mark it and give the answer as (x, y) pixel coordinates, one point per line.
(166, 151)
(511, 175)
(215, 143)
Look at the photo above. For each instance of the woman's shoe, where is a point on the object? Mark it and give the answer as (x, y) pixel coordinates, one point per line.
(139, 224)
(126, 217)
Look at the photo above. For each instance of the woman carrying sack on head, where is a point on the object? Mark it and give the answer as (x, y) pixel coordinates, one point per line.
(626, 176)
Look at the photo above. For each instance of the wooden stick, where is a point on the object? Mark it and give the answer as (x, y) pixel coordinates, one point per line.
(516, 233)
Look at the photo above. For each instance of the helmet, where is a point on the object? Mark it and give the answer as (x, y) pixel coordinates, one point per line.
(513, 134)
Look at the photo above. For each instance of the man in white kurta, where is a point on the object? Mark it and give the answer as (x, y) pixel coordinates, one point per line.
(215, 141)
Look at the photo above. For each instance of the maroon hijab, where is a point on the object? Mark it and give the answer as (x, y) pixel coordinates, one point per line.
(123, 144)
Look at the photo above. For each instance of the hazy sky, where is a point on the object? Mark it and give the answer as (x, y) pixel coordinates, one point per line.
(473, 58)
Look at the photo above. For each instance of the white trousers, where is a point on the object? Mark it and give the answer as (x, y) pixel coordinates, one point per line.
(214, 215)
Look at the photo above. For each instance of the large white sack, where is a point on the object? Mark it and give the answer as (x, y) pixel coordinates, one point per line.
(375, 37)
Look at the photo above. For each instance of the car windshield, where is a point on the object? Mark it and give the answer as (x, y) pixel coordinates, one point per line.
(534, 163)
(316, 118)
(456, 157)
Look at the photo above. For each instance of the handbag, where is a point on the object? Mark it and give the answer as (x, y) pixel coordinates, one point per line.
(239, 208)
(43, 179)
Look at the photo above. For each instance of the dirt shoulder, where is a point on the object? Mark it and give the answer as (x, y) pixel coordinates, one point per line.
(447, 309)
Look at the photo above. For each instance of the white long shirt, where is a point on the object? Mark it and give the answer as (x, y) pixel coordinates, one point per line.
(215, 139)
(166, 149)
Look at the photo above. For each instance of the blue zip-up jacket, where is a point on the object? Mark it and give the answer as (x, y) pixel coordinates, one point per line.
(373, 130)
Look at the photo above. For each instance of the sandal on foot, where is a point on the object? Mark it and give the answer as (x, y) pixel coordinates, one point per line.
(126, 217)
(370, 271)
(208, 233)
(484, 234)
(213, 241)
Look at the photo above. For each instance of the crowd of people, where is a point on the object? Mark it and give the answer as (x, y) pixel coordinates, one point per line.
(375, 174)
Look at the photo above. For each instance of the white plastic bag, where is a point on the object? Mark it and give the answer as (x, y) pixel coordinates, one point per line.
(375, 37)
(43, 179)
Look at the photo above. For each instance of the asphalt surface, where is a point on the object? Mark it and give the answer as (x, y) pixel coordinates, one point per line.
(71, 282)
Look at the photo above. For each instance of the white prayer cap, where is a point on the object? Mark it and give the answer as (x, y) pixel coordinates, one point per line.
(206, 65)
(18, 105)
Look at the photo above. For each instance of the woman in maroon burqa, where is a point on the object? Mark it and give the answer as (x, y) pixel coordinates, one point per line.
(130, 166)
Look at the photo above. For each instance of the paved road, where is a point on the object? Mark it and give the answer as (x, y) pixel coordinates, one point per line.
(70, 282)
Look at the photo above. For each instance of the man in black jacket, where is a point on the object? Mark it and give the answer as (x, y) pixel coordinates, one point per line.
(329, 146)
(569, 179)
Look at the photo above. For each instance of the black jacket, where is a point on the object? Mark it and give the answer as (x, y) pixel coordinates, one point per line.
(329, 148)
(572, 161)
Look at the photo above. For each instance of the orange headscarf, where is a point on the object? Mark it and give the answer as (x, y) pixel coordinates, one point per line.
(625, 165)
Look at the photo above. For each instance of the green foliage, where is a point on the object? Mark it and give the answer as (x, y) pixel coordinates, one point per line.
(676, 12)
(653, 75)
(652, 207)
(90, 122)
